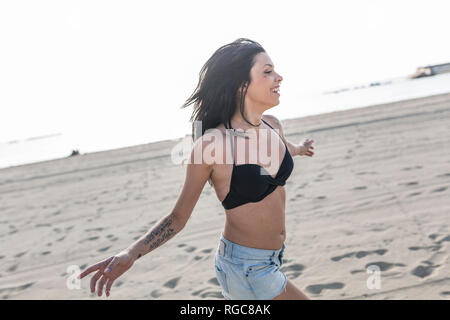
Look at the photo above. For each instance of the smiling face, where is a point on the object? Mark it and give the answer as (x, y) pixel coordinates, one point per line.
(260, 93)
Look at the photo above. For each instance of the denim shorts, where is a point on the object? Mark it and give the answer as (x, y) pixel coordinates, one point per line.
(246, 273)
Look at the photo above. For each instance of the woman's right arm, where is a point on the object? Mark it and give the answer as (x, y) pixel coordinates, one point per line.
(197, 174)
(109, 269)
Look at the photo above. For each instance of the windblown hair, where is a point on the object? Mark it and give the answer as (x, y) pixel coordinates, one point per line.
(216, 95)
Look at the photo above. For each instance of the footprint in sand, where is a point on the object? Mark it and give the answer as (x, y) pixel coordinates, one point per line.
(190, 249)
(433, 236)
(439, 189)
(426, 268)
(214, 281)
(156, 293)
(94, 229)
(423, 271)
(212, 294)
(359, 254)
(12, 268)
(302, 186)
(447, 239)
(412, 168)
(357, 271)
(293, 271)
(10, 290)
(360, 188)
(414, 194)
(363, 204)
(43, 225)
(297, 196)
(407, 184)
(104, 249)
(20, 254)
(119, 283)
(207, 250)
(208, 294)
(172, 283)
(322, 177)
(437, 244)
(445, 293)
(317, 288)
(196, 293)
(112, 237)
(88, 239)
(365, 173)
(432, 248)
(56, 213)
(445, 175)
(384, 265)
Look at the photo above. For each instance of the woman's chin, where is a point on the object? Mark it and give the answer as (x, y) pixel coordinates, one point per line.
(276, 103)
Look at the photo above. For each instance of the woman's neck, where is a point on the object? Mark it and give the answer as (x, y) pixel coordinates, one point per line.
(238, 122)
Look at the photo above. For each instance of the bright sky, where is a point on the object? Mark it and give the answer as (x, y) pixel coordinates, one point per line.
(116, 72)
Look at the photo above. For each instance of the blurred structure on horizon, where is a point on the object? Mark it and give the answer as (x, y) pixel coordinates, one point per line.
(428, 71)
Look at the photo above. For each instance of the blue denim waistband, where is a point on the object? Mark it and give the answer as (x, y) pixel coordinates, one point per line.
(234, 250)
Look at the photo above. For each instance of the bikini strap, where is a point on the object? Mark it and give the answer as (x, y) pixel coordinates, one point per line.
(276, 132)
(232, 146)
(228, 131)
(266, 123)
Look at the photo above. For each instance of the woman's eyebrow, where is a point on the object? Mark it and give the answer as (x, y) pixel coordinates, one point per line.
(268, 64)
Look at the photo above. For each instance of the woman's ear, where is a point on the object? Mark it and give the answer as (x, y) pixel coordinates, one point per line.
(242, 87)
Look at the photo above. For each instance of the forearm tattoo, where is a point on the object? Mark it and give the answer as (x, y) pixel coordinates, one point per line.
(161, 233)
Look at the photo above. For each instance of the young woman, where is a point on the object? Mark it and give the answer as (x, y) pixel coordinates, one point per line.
(236, 86)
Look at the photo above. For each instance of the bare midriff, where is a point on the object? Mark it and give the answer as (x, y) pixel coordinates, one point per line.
(260, 224)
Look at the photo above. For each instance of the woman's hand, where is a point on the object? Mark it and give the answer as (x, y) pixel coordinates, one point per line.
(305, 147)
(108, 271)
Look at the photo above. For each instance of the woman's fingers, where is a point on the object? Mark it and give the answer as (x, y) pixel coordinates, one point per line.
(94, 267)
(109, 284)
(101, 283)
(89, 270)
(94, 279)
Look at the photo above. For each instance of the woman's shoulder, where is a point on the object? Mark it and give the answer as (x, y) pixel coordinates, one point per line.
(221, 128)
(272, 120)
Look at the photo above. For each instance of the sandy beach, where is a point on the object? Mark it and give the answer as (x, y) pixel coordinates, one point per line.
(376, 192)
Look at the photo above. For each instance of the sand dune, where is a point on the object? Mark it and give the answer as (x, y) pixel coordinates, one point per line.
(376, 192)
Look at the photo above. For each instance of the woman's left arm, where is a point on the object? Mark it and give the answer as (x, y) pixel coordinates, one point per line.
(304, 148)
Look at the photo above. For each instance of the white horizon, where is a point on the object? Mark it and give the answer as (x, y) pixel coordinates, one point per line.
(115, 73)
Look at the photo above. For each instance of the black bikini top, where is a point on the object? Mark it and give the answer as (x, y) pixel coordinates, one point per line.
(252, 183)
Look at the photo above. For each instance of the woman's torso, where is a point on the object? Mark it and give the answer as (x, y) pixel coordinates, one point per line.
(254, 224)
